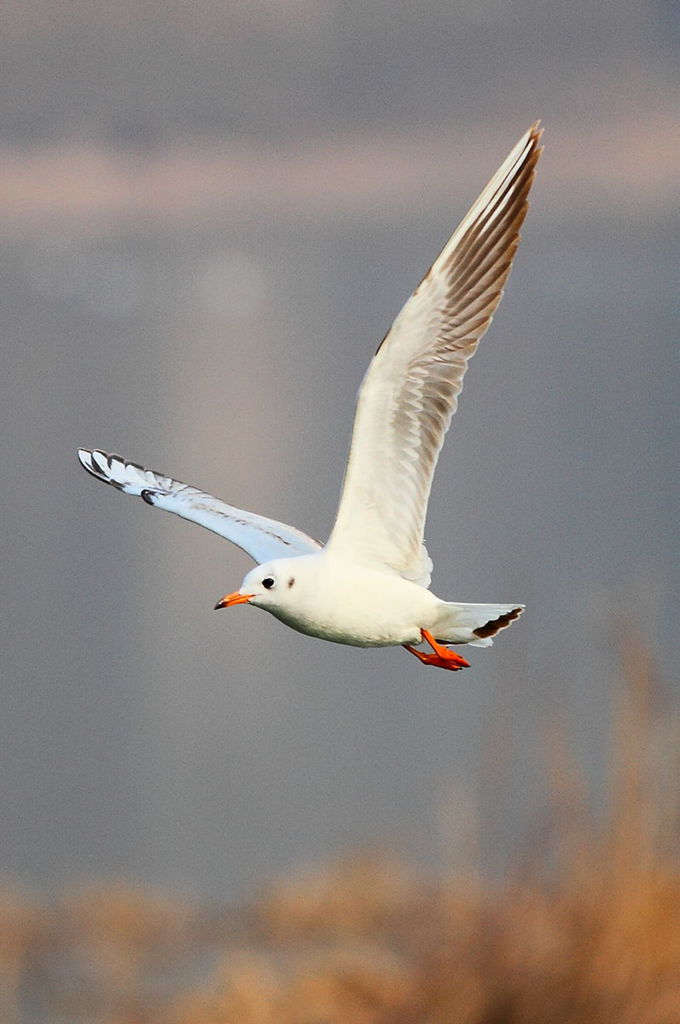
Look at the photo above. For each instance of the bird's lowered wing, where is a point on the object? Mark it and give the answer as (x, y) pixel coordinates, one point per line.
(410, 391)
(261, 538)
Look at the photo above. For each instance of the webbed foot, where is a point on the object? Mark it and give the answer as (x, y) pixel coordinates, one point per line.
(443, 657)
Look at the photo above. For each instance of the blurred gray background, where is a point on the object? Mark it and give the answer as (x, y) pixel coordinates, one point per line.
(210, 214)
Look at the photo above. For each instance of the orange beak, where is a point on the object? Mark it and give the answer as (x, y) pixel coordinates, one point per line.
(236, 598)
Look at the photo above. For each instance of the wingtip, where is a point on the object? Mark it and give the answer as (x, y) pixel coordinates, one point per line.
(493, 626)
(88, 460)
(85, 458)
(535, 134)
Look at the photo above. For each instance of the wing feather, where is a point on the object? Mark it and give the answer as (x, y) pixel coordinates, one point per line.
(261, 538)
(411, 389)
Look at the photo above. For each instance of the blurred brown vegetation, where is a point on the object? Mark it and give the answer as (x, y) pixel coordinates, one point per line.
(588, 932)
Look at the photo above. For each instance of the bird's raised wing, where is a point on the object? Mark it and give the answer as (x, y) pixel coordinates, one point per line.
(262, 539)
(410, 391)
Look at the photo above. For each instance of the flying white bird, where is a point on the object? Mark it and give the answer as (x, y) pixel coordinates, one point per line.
(368, 585)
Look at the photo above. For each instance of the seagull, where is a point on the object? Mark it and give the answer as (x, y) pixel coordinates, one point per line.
(368, 586)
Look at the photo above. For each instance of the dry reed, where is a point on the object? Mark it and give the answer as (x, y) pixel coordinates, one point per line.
(590, 935)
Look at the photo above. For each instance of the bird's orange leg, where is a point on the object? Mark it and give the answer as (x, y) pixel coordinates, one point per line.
(443, 657)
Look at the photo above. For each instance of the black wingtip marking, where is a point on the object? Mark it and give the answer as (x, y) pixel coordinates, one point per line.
(494, 625)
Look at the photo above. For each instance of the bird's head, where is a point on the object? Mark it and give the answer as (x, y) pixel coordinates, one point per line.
(270, 586)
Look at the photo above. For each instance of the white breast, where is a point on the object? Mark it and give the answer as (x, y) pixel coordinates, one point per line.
(350, 604)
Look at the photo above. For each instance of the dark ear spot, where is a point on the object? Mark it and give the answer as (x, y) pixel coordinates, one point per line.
(291, 581)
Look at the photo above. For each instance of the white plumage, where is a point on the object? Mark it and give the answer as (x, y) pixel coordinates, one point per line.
(368, 585)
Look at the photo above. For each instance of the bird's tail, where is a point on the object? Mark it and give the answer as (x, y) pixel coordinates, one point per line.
(475, 624)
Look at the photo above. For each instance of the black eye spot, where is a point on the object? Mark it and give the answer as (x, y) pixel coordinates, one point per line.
(291, 581)
(268, 582)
